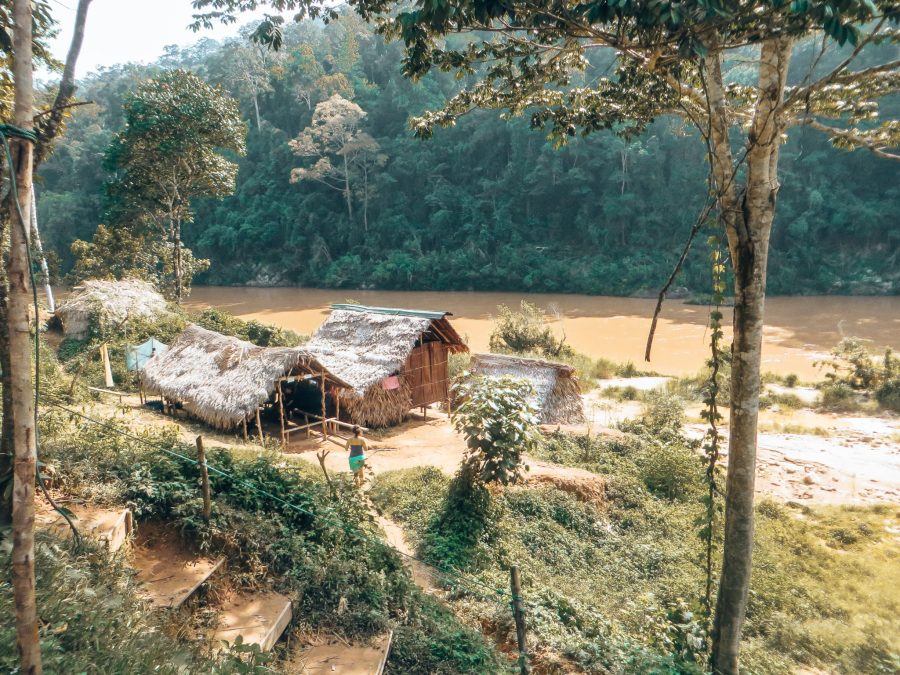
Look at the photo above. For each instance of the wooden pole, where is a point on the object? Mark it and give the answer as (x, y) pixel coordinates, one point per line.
(324, 421)
(337, 404)
(204, 479)
(519, 616)
(246, 435)
(281, 413)
(259, 429)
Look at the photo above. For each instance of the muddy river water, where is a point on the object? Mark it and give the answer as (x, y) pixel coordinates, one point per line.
(799, 330)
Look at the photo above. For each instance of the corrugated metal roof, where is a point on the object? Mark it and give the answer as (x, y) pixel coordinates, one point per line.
(421, 314)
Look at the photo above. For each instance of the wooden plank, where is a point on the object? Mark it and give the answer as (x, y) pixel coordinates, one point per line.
(259, 619)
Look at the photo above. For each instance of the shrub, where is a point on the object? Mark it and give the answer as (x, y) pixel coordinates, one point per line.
(499, 423)
(888, 394)
(525, 332)
(838, 396)
(791, 380)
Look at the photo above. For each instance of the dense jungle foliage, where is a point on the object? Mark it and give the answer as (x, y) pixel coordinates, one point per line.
(486, 205)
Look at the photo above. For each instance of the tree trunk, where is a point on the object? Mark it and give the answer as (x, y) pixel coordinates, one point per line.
(176, 260)
(365, 200)
(25, 462)
(6, 434)
(347, 194)
(749, 228)
(256, 109)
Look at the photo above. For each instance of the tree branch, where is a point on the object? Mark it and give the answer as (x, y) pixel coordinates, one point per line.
(803, 92)
(66, 87)
(850, 137)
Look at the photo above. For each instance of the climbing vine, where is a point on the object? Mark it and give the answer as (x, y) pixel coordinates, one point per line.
(712, 416)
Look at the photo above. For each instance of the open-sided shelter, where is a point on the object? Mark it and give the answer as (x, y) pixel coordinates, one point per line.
(557, 394)
(227, 382)
(393, 359)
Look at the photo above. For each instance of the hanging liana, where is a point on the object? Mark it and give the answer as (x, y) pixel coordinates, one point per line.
(711, 415)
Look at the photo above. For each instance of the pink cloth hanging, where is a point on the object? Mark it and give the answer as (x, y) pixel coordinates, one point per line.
(389, 383)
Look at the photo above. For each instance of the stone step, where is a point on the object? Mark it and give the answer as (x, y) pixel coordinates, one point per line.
(259, 618)
(335, 657)
(168, 572)
(110, 526)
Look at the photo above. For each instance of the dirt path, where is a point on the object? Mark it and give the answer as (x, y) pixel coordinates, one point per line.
(851, 459)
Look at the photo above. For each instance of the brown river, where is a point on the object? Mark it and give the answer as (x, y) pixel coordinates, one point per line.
(799, 330)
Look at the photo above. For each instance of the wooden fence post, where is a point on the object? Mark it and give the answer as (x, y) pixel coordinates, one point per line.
(519, 617)
(204, 478)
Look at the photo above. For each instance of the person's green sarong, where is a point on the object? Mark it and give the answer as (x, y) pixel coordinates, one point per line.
(357, 463)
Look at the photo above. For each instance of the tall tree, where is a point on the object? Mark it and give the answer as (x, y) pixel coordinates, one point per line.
(523, 55)
(21, 44)
(170, 153)
(342, 151)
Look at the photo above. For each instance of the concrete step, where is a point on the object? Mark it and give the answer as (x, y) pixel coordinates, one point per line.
(168, 572)
(336, 657)
(109, 526)
(259, 618)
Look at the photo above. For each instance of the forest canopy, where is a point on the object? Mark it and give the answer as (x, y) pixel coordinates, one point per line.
(486, 205)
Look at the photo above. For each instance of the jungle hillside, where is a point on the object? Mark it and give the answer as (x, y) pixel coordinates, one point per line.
(486, 205)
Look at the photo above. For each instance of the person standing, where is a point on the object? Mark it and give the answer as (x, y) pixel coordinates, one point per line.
(357, 445)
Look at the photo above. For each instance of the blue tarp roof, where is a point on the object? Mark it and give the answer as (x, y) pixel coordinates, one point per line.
(136, 356)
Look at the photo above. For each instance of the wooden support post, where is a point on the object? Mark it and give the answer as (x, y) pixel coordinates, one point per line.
(259, 428)
(204, 479)
(281, 413)
(337, 407)
(519, 617)
(324, 420)
(246, 435)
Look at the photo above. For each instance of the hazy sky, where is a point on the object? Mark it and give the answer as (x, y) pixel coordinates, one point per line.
(130, 30)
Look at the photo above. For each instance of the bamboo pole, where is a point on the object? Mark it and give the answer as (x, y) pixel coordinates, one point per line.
(204, 479)
(246, 435)
(281, 413)
(259, 429)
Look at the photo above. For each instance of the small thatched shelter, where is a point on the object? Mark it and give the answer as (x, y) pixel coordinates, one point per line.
(97, 304)
(557, 393)
(394, 359)
(226, 381)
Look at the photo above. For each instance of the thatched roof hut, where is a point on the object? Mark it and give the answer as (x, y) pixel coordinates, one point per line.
(394, 359)
(557, 393)
(223, 380)
(100, 305)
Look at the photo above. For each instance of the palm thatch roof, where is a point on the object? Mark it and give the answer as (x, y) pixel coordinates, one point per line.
(365, 345)
(557, 394)
(98, 304)
(224, 380)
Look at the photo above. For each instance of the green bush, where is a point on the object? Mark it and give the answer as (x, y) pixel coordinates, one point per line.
(791, 380)
(525, 332)
(838, 396)
(888, 394)
(500, 425)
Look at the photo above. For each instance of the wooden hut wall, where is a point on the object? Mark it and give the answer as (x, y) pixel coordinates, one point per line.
(428, 373)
